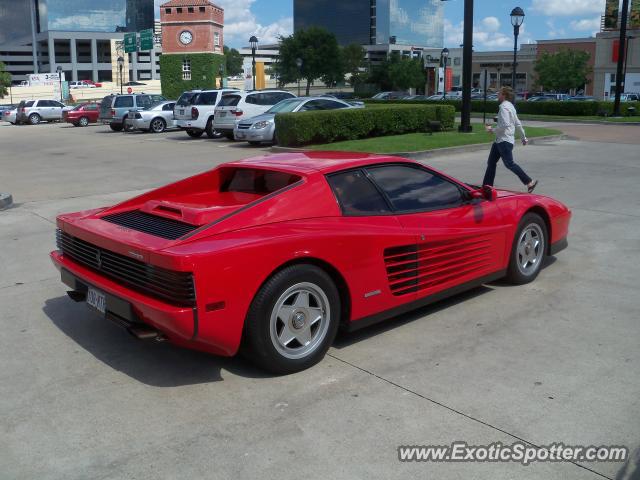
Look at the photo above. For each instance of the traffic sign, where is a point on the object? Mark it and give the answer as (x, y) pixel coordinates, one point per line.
(130, 42)
(146, 39)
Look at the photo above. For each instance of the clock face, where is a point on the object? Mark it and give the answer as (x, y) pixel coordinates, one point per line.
(186, 37)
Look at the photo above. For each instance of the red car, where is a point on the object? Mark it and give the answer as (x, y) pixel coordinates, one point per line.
(277, 252)
(91, 82)
(82, 115)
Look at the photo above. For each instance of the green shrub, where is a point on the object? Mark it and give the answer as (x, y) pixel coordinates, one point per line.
(568, 109)
(204, 72)
(302, 128)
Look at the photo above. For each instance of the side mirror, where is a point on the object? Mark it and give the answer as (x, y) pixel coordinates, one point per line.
(489, 193)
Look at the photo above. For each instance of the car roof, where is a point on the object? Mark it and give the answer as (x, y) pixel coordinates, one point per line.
(323, 162)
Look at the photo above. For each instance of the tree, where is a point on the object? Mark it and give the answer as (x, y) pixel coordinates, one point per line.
(233, 61)
(353, 61)
(5, 80)
(563, 71)
(318, 49)
(398, 73)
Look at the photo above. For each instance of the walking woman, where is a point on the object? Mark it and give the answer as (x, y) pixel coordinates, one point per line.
(505, 133)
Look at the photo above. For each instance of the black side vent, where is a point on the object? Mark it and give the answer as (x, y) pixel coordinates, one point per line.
(151, 224)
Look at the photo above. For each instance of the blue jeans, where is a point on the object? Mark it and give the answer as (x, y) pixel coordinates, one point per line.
(503, 150)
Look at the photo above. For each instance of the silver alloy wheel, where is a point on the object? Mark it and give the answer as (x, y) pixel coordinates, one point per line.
(34, 119)
(299, 320)
(157, 125)
(84, 121)
(530, 251)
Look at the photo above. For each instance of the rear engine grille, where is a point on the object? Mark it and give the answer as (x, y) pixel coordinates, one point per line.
(173, 287)
(151, 224)
(412, 268)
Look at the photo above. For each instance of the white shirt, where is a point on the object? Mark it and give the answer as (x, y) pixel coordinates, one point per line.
(508, 121)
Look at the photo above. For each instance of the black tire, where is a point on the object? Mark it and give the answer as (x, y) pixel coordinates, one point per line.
(516, 273)
(195, 133)
(83, 122)
(125, 127)
(211, 132)
(157, 125)
(115, 127)
(261, 348)
(230, 136)
(34, 119)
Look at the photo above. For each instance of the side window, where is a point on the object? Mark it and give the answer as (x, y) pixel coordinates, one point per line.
(123, 102)
(331, 105)
(57, 104)
(356, 194)
(93, 106)
(412, 189)
(44, 103)
(312, 105)
(207, 98)
(143, 101)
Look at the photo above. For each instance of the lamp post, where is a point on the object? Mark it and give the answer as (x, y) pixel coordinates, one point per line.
(517, 18)
(221, 72)
(299, 65)
(59, 70)
(467, 52)
(10, 92)
(253, 41)
(621, 56)
(444, 55)
(120, 66)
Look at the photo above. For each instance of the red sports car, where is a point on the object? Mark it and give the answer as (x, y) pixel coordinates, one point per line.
(82, 115)
(277, 252)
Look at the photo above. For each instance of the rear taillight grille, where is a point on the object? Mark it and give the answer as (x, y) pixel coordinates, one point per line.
(174, 287)
(152, 224)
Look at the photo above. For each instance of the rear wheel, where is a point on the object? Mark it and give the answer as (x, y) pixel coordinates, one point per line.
(115, 127)
(528, 250)
(127, 128)
(211, 132)
(293, 319)
(83, 122)
(195, 133)
(34, 119)
(157, 125)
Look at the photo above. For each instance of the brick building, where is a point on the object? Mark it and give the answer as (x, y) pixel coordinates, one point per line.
(581, 44)
(193, 26)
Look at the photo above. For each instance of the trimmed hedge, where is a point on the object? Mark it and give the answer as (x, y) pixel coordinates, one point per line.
(303, 128)
(204, 72)
(567, 108)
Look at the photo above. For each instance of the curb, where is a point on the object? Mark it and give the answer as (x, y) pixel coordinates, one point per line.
(421, 155)
(6, 200)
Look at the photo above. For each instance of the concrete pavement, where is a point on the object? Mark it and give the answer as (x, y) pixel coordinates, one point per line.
(553, 361)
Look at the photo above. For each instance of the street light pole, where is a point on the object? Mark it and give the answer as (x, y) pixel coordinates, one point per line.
(299, 65)
(120, 66)
(445, 56)
(59, 70)
(621, 56)
(517, 18)
(253, 41)
(467, 51)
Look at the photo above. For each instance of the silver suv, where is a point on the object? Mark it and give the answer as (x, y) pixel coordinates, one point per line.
(195, 109)
(34, 111)
(115, 108)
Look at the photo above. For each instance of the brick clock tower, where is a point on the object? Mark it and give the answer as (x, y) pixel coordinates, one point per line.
(192, 45)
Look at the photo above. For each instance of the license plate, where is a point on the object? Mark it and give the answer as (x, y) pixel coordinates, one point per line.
(97, 300)
(239, 135)
(222, 114)
(181, 112)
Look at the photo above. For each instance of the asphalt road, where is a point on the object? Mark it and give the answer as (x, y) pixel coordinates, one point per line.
(553, 361)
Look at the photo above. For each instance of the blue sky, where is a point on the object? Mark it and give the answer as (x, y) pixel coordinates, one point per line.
(545, 19)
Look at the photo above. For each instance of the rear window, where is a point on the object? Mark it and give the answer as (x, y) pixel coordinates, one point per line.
(229, 100)
(186, 99)
(123, 102)
(255, 181)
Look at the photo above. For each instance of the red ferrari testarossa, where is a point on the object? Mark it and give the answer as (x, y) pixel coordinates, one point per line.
(277, 252)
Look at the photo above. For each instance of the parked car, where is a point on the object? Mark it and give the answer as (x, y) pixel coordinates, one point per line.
(9, 116)
(156, 118)
(35, 111)
(277, 252)
(81, 84)
(541, 98)
(389, 95)
(626, 97)
(263, 128)
(236, 106)
(416, 97)
(195, 110)
(133, 84)
(82, 115)
(582, 98)
(115, 108)
(91, 82)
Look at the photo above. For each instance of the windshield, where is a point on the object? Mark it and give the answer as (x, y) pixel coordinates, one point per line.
(284, 106)
(186, 98)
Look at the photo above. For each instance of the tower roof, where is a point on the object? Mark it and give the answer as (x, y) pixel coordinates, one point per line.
(189, 3)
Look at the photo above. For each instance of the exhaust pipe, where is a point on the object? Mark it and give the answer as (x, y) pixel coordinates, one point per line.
(146, 333)
(77, 296)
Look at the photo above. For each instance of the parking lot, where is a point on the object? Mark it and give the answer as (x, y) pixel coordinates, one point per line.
(556, 360)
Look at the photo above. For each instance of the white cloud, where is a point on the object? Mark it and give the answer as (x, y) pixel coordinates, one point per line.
(555, 32)
(240, 23)
(591, 25)
(574, 8)
(486, 35)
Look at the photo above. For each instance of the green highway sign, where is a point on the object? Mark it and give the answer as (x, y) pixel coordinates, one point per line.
(146, 39)
(130, 42)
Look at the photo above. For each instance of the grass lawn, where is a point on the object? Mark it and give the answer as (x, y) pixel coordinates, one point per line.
(412, 142)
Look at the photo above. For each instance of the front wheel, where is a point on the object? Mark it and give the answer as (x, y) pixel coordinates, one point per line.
(195, 133)
(293, 319)
(158, 125)
(115, 127)
(528, 250)
(84, 121)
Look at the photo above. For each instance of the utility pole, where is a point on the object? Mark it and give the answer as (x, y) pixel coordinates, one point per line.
(621, 55)
(467, 51)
